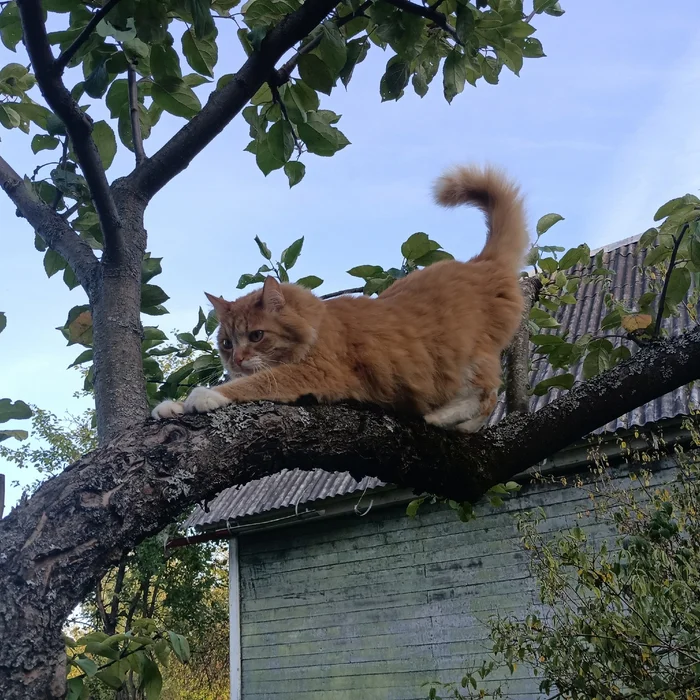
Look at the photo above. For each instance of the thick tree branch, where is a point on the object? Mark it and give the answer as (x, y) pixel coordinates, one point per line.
(224, 104)
(132, 487)
(433, 15)
(518, 353)
(64, 59)
(52, 227)
(78, 124)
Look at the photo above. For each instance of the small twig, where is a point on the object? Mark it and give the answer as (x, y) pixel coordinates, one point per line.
(671, 264)
(70, 211)
(342, 292)
(437, 17)
(277, 99)
(136, 135)
(62, 166)
(64, 59)
(281, 76)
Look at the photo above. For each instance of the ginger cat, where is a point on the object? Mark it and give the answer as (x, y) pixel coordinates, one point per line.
(430, 344)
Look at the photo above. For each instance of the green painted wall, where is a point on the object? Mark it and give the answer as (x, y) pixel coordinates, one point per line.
(371, 608)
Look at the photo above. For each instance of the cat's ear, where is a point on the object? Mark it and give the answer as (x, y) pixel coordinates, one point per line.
(272, 297)
(221, 306)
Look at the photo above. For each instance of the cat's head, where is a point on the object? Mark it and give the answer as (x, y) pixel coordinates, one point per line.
(270, 326)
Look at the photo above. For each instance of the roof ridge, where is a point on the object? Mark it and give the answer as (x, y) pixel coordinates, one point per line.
(617, 244)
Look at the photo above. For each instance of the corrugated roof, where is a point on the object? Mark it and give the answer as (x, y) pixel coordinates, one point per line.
(292, 488)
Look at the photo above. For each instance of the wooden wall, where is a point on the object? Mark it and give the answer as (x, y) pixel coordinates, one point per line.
(372, 608)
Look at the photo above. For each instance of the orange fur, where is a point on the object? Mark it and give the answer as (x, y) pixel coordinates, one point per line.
(430, 344)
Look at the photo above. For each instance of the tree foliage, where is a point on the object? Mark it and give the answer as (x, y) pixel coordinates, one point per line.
(620, 615)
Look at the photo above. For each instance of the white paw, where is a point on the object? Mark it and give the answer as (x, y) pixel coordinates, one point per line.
(168, 409)
(203, 400)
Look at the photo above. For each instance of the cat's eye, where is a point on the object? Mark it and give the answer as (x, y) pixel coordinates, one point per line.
(256, 336)
(226, 344)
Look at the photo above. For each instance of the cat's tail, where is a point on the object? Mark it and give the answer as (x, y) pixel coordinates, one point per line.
(500, 199)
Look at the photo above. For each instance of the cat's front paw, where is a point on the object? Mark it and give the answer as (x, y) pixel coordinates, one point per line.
(203, 400)
(168, 409)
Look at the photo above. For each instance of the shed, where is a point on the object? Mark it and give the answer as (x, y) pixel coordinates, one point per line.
(336, 595)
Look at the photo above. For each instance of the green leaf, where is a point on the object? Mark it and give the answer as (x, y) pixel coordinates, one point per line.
(366, 272)
(395, 79)
(432, 257)
(561, 381)
(97, 82)
(674, 204)
(294, 170)
(87, 665)
(14, 411)
(356, 52)
(16, 434)
(678, 285)
(262, 247)
(9, 118)
(532, 48)
(105, 141)
(465, 23)
(547, 221)
(548, 265)
(280, 140)
(151, 680)
(201, 54)
(85, 356)
(164, 63)
(413, 506)
(454, 74)
(10, 26)
(175, 97)
(542, 319)
(570, 259)
(42, 142)
(201, 15)
(315, 73)
(180, 646)
(320, 138)
(150, 267)
(53, 263)
(611, 320)
(110, 678)
(152, 295)
(417, 245)
(512, 56)
(75, 688)
(310, 282)
(648, 238)
(656, 255)
(332, 48)
(597, 361)
(291, 255)
(304, 96)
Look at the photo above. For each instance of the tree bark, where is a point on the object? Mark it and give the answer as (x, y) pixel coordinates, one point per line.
(79, 523)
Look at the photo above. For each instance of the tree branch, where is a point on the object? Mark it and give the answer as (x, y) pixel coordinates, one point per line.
(283, 74)
(78, 124)
(342, 292)
(518, 353)
(64, 59)
(224, 104)
(664, 291)
(52, 227)
(136, 135)
(429, 13)
(139, 482)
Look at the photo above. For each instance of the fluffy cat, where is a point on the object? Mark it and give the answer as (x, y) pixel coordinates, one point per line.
(430, 344)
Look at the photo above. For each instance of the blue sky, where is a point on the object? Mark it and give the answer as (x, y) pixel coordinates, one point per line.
(603, 130)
